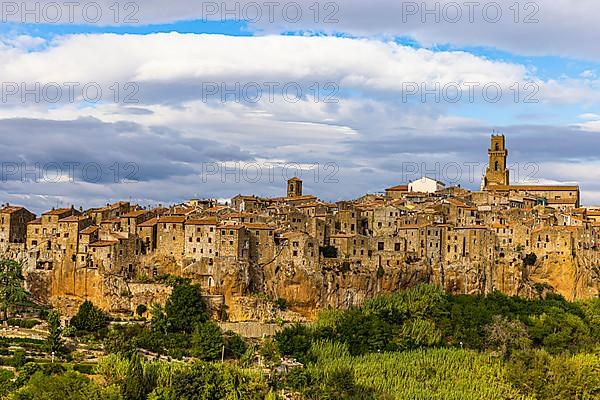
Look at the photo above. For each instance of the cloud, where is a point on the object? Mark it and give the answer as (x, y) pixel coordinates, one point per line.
(549, 27)
(366, 141)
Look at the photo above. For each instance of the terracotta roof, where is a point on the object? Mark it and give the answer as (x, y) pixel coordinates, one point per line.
(89, 230)
(399, 188)
(230, 226)
(73, 218)
(110, 207)
(37, 221)
(11, 209)
(151, 222)
(457, 203)
(295, 179)
(134, 214)
(58, 211)
(173, 219)
(315, 204)
(202, 221)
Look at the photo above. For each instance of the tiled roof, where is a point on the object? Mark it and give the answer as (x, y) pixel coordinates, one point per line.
(73, 218)
(11, 209)
(151, 222)
(89, 230)
(173, 219)
(58, 211)
(202, 221)
(135, 214)
(399, 188)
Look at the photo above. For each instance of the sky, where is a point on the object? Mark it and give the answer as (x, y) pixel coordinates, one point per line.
(157, 103)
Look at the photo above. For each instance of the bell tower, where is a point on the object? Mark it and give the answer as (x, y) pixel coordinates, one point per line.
(294, 187)
(496, 172)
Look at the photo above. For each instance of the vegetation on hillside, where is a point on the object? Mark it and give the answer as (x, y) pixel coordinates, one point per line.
(416, 344)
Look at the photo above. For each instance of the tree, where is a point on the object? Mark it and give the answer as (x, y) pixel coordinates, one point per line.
(134, 387)
(19, 358)
(159, 319)
(67, 386)
(505, 336)
(235, 345)
(207, 341)
(141, 309)
(89, 318)
(54, 342)
(185, 308)
(12, 289)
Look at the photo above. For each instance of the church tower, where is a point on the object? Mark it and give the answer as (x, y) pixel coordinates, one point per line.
(496, 172)
(294, 188)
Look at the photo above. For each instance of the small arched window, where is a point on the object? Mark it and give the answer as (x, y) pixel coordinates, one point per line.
(496, 166)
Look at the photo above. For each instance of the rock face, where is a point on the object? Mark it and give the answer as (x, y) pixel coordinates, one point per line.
(258, 293)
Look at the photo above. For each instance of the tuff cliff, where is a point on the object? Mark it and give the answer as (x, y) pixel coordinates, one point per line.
(255, 293)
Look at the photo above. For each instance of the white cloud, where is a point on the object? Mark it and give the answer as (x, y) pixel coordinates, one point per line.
(171, 131)
(546, 27)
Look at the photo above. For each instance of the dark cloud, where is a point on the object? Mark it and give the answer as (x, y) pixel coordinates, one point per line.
(79, 145)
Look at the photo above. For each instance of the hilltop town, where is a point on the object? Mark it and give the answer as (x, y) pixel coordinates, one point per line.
(253, 253)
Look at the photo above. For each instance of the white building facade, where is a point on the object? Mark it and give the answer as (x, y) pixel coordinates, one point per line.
(426, 185)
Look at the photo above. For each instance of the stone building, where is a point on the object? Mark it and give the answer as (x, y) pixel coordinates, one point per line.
(13, 224)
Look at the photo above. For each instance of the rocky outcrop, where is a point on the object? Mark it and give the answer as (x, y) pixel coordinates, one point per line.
(291, 292)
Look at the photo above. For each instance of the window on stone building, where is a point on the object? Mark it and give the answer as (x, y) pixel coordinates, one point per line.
(380, 246)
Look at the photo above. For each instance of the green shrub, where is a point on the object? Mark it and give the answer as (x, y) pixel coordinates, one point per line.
(23, 323)
(89, 318)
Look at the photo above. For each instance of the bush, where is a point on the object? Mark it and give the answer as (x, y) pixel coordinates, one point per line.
(329, 251)
(23, 323)
(185, 308)
(530, 259)
(235, 346)
(89, 318)
(19, 358)
(141, 309)
(87, 369)
(217, 381)
(207, 341)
